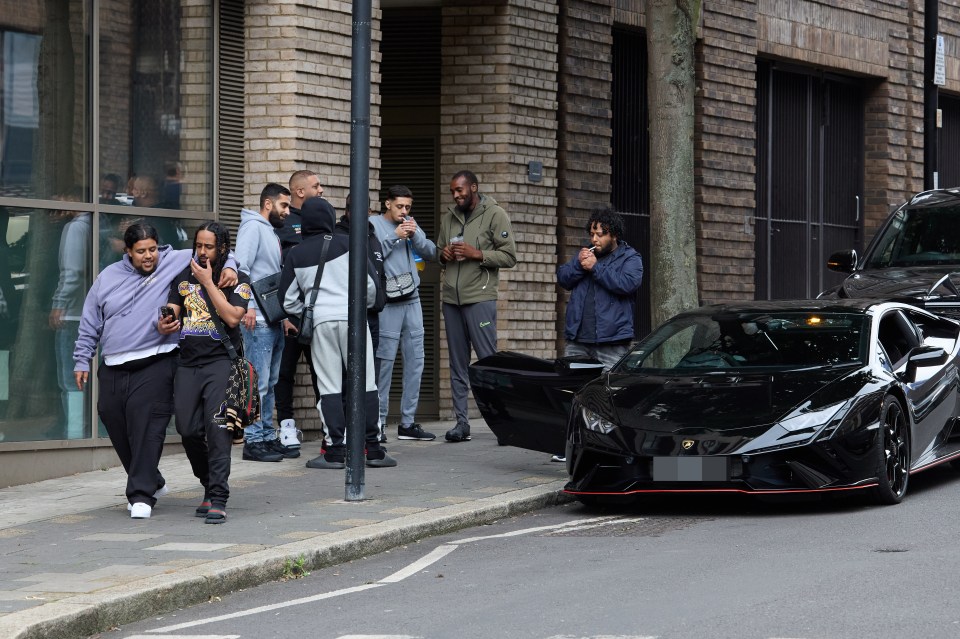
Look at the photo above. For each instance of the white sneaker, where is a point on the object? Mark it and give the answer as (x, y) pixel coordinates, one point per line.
(289, 435)
(165, 490)
(140, 510)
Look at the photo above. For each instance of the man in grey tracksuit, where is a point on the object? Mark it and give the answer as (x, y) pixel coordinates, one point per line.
(328, 347)
(401, 320)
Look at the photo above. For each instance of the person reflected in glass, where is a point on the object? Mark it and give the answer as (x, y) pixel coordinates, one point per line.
(66, 308)
(109, 184)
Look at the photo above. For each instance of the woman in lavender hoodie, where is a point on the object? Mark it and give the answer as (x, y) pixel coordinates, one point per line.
(136, 377)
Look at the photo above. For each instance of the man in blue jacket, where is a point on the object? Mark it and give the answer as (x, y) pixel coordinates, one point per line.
(604, 278)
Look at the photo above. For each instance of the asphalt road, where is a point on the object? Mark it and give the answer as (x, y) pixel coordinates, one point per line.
(672, 567)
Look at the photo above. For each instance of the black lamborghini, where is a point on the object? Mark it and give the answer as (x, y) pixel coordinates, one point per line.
(758, 397)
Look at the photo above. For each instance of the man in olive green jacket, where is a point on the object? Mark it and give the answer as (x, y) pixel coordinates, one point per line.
(475, 242)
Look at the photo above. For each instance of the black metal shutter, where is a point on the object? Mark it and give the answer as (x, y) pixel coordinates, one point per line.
(230, 122)
(949, 161)
(630, 156)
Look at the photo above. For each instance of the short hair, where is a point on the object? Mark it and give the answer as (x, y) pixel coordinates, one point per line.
(137, 232)
(609, 220)
(398, 190)
(297, 176)
(112, 177)
(271, 192)
(469, 175)
(222, 235)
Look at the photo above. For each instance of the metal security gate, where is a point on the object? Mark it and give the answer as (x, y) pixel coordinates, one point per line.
(949, 162)
(809, 179)
(630, 157)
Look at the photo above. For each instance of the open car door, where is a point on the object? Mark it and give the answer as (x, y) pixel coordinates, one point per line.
(526, 400)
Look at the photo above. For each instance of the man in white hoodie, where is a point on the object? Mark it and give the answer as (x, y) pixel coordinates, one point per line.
(262, 342)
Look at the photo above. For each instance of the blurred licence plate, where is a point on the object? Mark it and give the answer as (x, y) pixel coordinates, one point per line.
(690, 469)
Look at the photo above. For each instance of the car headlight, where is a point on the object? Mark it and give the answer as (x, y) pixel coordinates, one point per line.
(596, 423)
(805, 419)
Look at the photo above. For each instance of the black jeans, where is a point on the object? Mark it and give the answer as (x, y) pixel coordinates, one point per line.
(283, 391)
(200, 393)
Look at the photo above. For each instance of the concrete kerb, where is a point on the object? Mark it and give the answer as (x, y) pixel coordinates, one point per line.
(89, 613)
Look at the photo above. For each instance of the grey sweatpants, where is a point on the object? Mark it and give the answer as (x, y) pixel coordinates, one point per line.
(470, 325)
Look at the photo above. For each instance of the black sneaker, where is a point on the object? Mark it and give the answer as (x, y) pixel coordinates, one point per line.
(459, 433)
(260, 451)
(383, 435)
(276, 446)
(414, 431)
(326, 462)
(380, 459)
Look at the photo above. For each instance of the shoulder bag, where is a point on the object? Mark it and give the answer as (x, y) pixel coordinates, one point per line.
(306, 317)
(266, 292)
(243, 393)
(402, 286)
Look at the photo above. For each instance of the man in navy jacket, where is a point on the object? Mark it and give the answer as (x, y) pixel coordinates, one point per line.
(604, 278)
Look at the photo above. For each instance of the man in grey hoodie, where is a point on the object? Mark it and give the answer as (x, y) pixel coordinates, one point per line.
(258, 250)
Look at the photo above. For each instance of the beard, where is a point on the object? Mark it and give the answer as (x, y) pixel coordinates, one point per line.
(275, 220)
(141, 271)
(466, 207)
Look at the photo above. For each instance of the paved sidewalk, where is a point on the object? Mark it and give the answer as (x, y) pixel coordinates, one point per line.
(73, 563)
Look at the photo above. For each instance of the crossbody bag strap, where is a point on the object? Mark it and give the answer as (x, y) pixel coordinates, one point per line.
(224, 337)
(316, 280)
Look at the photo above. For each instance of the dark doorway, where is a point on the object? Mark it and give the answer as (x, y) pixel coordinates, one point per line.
(809, 179)
(949, 161)
(410, 135)
(630, 157)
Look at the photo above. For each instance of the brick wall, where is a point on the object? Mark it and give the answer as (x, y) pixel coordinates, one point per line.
(584, 126)
(499, 112)
(725, 151)
(297, 75)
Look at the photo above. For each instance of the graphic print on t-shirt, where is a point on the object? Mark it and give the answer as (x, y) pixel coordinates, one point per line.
(196, 314)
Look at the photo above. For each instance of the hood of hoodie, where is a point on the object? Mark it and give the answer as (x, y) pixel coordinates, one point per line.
(317, 216)
(249, 214)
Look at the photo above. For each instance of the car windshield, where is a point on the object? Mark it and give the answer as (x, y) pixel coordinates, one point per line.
(787, 340)
(919, 237)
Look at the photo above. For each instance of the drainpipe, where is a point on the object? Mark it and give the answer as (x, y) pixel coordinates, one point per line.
(930, 94)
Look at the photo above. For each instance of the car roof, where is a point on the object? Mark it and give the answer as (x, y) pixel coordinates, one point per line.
(852, 305)
(936, 197)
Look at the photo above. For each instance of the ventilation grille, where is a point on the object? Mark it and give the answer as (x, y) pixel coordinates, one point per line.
(230, 114)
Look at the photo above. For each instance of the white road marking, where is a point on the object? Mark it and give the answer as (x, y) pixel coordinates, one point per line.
(625, 520)
(527, 531)
(377, 637)
(186, 637)
(259, 609)
(434, 556)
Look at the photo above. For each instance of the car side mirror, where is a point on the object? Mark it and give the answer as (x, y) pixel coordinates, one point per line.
(923, 356)
(843, 261)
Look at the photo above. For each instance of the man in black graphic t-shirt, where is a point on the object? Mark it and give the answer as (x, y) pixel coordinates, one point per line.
(200, 385)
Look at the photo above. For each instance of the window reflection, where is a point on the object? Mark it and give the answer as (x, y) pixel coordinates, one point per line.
(44, 106)
(155, 130)
(45, 271)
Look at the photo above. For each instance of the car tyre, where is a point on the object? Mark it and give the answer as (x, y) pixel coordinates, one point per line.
(893, 453)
